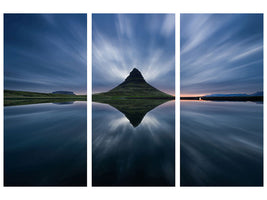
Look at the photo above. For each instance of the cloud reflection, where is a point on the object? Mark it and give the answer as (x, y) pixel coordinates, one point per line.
(149, 122)
(221, 144)
(117, 123)
(128, 156)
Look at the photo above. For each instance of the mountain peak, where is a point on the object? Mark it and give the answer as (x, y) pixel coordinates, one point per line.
(135, 70)
(135, 73)
(63, 92)
(134, 76)
(133, 87)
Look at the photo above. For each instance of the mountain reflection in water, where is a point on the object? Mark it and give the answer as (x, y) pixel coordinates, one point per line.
(136, 146)
(134, 109)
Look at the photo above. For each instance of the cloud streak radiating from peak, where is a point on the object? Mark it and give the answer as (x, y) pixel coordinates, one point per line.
(122, 42)
(221, 53)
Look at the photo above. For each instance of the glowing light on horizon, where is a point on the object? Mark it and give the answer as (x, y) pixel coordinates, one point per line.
(192, 95)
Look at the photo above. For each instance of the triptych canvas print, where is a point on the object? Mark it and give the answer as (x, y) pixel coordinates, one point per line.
(133, 118)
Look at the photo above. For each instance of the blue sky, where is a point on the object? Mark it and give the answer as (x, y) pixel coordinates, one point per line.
(122, 42)
(45, 52)
(221, 53)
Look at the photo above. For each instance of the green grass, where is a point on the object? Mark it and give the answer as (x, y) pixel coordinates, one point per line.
(12, 97)
(132, 91)
(133, 98)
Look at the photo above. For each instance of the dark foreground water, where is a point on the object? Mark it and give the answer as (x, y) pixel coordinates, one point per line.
(127, 152)
(45, 145)
(221, 143)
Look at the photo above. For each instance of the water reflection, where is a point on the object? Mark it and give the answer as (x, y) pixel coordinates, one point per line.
(134, 109)
(221, 143)
(129, 155)
(64, 103)
(45, 145)
(30, 101)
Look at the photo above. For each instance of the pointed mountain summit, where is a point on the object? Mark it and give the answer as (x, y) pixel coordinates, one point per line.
(133, 87)
(134, 97)
(134, 76)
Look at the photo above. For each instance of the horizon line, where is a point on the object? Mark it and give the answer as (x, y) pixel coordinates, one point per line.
(76, 93)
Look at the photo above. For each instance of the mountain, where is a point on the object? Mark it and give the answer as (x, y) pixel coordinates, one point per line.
(63, 92)
(226, 95)
(133, 87)
(13, 97)
(258, 96)
(259, 93)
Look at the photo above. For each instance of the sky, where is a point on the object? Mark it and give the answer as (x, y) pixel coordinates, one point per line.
(221, 53)
(45, 52)
(121, 42)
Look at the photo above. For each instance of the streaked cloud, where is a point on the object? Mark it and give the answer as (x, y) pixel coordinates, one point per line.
(221, 53)
(124, 41)
(45, 52)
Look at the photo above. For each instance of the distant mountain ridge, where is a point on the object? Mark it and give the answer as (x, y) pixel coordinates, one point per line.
(14, 97)
(133, 87)
(259, 93)
(63, 92)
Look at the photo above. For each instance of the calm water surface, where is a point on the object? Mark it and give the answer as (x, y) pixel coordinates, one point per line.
(45, 145)
(221, 143)
(124, 155)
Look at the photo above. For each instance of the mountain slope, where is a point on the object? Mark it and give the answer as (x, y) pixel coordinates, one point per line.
(133, 87)
(63, 92)
(259, 93)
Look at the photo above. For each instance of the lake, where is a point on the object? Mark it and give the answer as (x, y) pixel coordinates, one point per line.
(133, 143)
(221, 143)
(45, 144)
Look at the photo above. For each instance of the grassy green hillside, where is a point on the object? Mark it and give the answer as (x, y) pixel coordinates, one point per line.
(132, 91)
(134, 87)
(12, 97)
(140, 90)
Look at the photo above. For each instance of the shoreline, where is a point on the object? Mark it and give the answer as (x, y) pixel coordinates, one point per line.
(243, 98)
